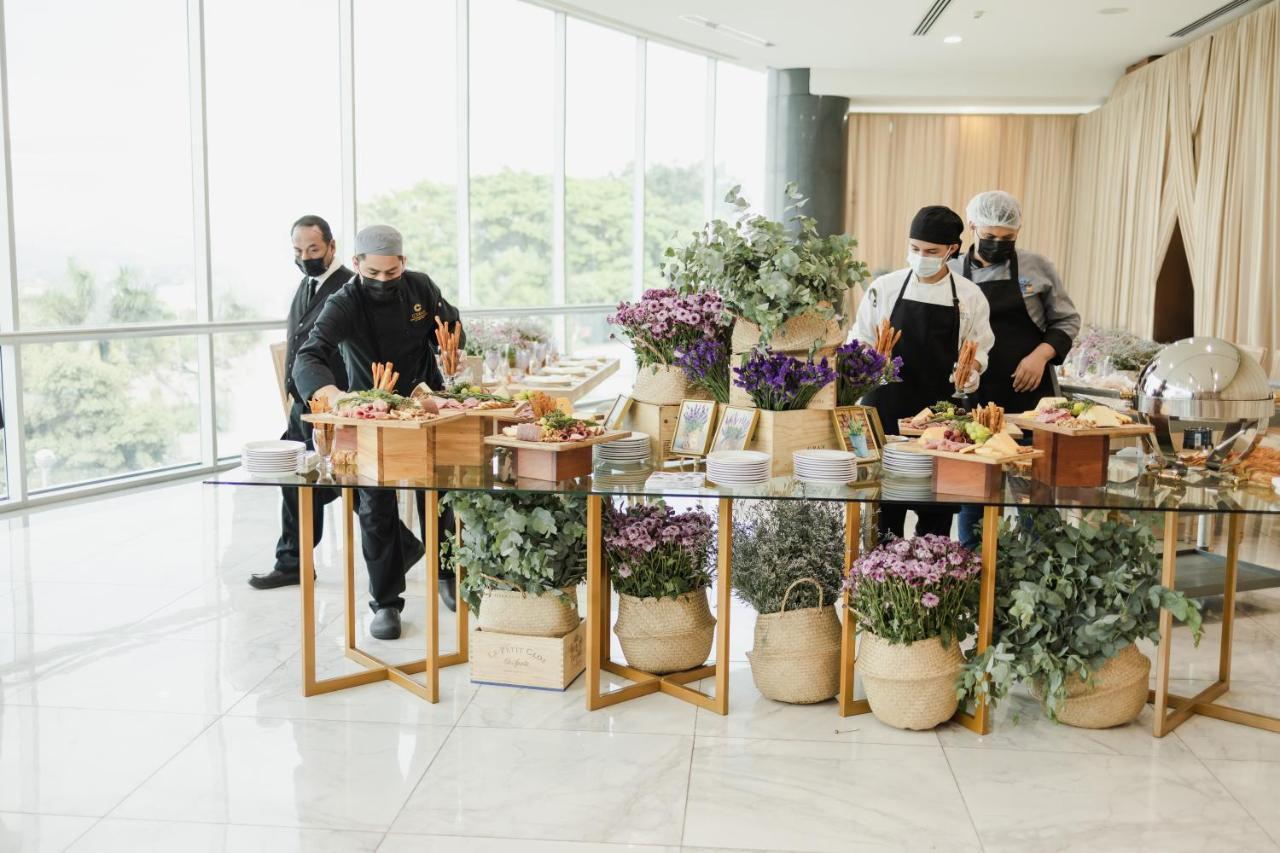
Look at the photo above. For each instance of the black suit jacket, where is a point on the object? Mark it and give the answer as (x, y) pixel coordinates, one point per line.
(302, 316)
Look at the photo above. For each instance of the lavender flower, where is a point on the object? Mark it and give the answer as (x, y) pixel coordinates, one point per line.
(859, 368)
(780, 383)
(706, 364)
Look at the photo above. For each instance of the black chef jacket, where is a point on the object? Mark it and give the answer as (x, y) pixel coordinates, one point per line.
(302, 316)
(401, 331)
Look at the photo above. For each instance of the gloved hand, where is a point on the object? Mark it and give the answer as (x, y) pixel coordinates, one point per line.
(971, 384)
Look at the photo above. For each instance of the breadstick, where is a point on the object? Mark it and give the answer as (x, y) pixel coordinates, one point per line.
(377, 375)
(391, 383)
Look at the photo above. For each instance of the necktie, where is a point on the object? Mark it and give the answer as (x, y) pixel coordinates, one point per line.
(311, 291)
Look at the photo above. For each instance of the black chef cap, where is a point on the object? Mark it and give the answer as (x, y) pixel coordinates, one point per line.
(937, 224)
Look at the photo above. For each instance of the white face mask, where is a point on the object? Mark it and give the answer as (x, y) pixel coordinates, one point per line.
(924, 267)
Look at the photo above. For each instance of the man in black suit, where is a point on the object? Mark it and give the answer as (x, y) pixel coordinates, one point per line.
(315, 253)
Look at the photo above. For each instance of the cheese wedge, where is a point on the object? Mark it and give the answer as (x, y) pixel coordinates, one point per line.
(933, 433)
(1103, 416)
(999, 444)
(1051, 403)
(922, 415)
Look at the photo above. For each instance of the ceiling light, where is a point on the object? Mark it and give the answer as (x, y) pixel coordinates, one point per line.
(953, 40)
(725, 29)
(1113, 10)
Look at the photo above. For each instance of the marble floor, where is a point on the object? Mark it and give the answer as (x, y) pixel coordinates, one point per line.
(150, 700)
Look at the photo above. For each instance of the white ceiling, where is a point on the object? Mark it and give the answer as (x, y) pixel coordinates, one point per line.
(1017, 55)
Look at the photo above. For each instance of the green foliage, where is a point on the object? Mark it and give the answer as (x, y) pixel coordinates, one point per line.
(1069, 598)
(778, 542)
(765, 273)
(528, 542)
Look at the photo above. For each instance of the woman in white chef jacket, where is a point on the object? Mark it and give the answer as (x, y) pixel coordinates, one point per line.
(936, 310)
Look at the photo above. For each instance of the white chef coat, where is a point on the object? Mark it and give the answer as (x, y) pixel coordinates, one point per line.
(975, 312)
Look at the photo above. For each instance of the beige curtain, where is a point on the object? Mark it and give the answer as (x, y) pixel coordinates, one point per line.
(899, 163)
(1192, 139)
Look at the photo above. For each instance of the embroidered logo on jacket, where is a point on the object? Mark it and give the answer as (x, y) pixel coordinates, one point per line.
(418, 313)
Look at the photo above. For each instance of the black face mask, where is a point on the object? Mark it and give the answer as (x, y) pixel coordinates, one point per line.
(995, 251)
(381, 291)
(313, 267)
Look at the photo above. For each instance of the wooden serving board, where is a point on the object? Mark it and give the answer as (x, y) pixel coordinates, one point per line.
(1084, 432)
(380, 423)
(906, 429)
(555, 446)
(554, 460)
(912, 447)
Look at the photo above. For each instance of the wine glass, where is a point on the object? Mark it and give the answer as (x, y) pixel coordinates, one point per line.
(492, 360)
(522, 361)
(539, 354)
(322, 440)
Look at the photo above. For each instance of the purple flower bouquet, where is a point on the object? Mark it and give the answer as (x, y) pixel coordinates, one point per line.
(908, 590)
(654, 551)
(665, 321)
(780, 383)
(706, 364)
(859, 368)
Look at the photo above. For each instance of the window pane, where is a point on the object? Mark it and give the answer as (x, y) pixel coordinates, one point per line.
(406, 129)
(600, 128)
(590, 335)
(99, 128)
(249, 405)
(274, 143)
(675, 142)
(740, 132)
(512, 82)
(104, 408)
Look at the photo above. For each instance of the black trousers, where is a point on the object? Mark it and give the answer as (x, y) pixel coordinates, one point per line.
(390, 549)
(893, 519)
(287, 546)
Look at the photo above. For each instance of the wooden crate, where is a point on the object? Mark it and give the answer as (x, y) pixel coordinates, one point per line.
(553, 461)
(388, 450)
(781, 433)
(547, 663)
(658, 421)
(461, 441)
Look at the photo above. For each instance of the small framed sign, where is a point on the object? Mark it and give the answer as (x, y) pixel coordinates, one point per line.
(737, 426)
(694, 428)
(613, 420)
(858, 430)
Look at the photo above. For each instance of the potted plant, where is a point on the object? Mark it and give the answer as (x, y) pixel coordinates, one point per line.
(858, 439)
(520, 559)
(1071, 600)
(788, 558)
(783, 281)
(914, 601)
(659, 560)
(660, 324)
(860, 368)
(782, 386)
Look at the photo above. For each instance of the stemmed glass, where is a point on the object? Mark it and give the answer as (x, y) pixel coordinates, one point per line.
(322, 440)
(493, 359)
(539, 354)
(522, 361)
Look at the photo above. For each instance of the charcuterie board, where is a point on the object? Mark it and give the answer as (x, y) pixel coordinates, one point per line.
(554, 460)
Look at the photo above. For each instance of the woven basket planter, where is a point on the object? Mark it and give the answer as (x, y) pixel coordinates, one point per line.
(660, 384)
(797, 334)
(910, 685)
(662, 635)
(796, 654)
(506, 611)
(1116, 696)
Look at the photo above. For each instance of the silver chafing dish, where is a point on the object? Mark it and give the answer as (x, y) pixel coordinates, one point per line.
(1204, 381)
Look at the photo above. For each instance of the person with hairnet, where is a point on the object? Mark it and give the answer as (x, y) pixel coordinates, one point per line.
(1033, 319)
(386, 312)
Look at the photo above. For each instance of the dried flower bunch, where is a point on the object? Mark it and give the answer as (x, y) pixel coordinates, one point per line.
(706, 365)
(777, 542)
(860, 368)
(780, 383)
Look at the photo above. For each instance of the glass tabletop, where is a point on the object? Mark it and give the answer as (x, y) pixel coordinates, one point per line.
(1128, 488)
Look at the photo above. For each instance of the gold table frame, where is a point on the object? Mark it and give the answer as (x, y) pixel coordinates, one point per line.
(376, 669)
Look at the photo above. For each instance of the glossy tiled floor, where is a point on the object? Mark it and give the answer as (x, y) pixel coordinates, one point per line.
(151, 701)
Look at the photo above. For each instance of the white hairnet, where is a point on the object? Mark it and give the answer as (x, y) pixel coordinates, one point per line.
(994, 208)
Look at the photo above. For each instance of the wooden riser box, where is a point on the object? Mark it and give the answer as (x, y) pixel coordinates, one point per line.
(388, 453)
(659, 421)
(461, 441)
(548, 663)
(781, 433)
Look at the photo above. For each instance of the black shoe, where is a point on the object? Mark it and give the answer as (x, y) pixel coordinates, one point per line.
(274, 579)
(386, 624)
(445, 589)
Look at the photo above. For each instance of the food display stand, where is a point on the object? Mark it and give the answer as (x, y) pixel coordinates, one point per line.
(1075, 456)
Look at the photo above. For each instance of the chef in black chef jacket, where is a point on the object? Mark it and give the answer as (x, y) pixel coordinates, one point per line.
(936, 311)
(385, 313)
(1033, 319)
(315, 253)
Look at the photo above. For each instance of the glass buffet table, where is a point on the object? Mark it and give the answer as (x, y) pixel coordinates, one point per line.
(1129, 490)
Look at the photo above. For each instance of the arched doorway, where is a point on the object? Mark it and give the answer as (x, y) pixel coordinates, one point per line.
(1173, 314)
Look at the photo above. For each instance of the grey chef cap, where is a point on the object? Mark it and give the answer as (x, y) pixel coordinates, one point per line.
(379, 240)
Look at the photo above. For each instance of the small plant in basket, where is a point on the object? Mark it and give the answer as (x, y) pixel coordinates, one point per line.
(706, 365)
(660, 564)
(781, 383)
(914, 600)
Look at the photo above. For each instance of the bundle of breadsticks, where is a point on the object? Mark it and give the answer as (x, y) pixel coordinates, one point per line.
(319, 405)
(886, 338)
(384, 378)
(448, 342)
(965, 363)
(990, 416)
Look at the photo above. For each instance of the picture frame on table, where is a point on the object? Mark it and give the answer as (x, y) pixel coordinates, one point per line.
(736, 428)
(695, 427)
(613, 420)
(869, 438)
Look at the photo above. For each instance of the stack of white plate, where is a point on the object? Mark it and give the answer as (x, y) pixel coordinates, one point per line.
(825, 466)
(630, 477)
(632, 450)
(272, 458)
(893, 488)
(738, 467)
(903, 463)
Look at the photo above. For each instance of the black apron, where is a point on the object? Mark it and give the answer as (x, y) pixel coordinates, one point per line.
(1016, 336)
(929, 346)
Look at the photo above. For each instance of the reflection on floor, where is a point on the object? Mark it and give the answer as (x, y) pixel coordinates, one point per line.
(151, 701)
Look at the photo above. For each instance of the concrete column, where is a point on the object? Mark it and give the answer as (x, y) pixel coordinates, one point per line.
(805, 144)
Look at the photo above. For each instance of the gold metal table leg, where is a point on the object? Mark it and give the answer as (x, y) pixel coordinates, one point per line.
(848, 628)
(980, 720)
(1170, 709)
